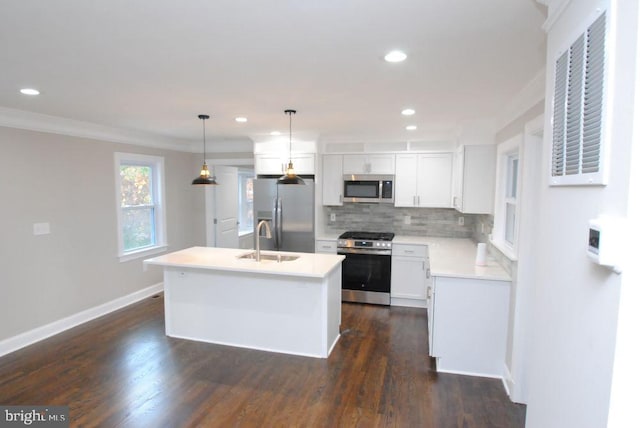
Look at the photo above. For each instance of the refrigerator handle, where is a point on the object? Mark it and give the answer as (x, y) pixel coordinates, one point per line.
(279, 223)
(274, 222)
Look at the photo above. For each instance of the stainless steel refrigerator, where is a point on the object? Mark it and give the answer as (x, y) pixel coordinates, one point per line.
(289, 210)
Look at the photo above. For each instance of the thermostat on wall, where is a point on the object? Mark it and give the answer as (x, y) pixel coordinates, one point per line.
(605, 242)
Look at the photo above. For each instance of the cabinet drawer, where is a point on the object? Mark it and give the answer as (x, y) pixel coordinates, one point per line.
(326, 247)
(410, 250)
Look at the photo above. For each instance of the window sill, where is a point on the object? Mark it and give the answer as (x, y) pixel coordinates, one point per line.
(142, 253)
(505, 250)
(245, 233)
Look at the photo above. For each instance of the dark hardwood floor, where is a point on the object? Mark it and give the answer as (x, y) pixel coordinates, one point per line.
(121, 370)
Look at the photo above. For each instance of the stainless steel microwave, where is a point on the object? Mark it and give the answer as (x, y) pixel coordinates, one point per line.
(368, 188)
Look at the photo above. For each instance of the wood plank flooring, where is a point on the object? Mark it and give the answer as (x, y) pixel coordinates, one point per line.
(122, 371)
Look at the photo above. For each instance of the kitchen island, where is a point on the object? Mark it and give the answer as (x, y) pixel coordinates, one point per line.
(277, 304)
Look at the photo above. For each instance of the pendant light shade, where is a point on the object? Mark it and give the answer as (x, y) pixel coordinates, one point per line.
(290, 176)
(205, 177)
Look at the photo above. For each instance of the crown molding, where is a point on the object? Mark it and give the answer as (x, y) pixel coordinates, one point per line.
(532, 93)
(20, 119)
(555, 9)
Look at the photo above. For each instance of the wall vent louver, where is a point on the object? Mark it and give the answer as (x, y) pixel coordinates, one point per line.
(578, 109)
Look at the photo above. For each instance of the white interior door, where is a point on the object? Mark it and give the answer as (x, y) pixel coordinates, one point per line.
(222, 208)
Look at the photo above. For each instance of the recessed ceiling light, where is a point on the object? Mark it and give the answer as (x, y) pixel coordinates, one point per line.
(274, 133)
(241, 119)
(395, 56)
(29, 91)
(411, 128)
(408, 112)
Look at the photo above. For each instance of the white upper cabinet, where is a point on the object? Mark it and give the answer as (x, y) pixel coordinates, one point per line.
(273, 164)
(369, 164)
(332, 181)
(474, 179)
(423, 180)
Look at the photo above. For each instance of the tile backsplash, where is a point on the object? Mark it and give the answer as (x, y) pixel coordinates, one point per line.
(440, 222)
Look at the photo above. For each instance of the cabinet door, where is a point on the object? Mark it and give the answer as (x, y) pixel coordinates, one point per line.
(354, 164)
(303, 163)
(369, 164)
(434, 180)
(405, 183)
(408, 277)
(458, 179)
(431, 298)
(382, 164)
(477, 180)
(332, 181)
(269, 164)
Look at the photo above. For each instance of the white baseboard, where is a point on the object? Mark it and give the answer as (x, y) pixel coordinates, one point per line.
(507, 380)
(40, 333)
(467, 373)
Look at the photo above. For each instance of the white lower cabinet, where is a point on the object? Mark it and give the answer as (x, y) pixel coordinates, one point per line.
(468, 325)
(327, 246)
(409, 275)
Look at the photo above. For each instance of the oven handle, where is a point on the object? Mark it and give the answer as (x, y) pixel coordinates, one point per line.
(346, 251)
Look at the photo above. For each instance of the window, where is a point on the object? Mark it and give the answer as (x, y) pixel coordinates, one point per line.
(578, 106)
(508, 173)
(140, 205)
(511, 199)
(245, 201)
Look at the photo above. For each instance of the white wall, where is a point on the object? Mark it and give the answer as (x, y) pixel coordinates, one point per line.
(576, 302)
(69, 182)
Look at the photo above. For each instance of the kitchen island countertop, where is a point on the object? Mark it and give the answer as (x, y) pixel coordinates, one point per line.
(309, 265)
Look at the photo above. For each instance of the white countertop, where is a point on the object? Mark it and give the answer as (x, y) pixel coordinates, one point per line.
(452, 257)
(455, 257)
(308, 265)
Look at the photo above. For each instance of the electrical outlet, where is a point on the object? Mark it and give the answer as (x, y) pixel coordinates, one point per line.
(460, 221)
(481, 227)
(407, 219)
(332, 217)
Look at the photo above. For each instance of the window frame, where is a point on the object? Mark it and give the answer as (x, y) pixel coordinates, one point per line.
(156, 163)
(243, 175)
(506, 153)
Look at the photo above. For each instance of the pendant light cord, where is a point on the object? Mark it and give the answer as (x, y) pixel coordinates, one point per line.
(204, 144)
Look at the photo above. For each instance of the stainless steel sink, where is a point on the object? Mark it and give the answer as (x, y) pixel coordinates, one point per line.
(271, 257)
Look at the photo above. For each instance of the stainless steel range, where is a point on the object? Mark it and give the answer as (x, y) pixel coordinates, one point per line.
(366, 269)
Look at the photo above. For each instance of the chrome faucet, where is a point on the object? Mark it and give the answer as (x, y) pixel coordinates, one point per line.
(257, 233)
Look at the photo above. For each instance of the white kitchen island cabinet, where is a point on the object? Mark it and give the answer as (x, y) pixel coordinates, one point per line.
(292, 307)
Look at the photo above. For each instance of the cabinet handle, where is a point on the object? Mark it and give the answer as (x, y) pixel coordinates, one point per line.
(340, 198)
(429, 292)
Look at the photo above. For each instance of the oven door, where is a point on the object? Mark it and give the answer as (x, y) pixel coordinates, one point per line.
(366, 277)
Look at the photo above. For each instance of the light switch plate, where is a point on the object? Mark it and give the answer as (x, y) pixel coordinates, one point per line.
(407, 219)
(41, 228)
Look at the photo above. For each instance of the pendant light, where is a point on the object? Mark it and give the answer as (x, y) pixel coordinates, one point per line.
(290, 176)
(205, 176)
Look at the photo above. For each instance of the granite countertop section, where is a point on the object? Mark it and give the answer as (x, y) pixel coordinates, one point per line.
(455, 257)
(308, 265)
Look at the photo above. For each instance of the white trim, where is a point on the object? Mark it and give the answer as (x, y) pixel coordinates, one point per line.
(158, 189)
(40, 333)
(554, 10)
(476, 374)
(507, 380)
(19, 119)
(503, 150)
(143, 253)
(529, 96)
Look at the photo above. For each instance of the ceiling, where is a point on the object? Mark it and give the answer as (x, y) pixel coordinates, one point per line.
(153, 66)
